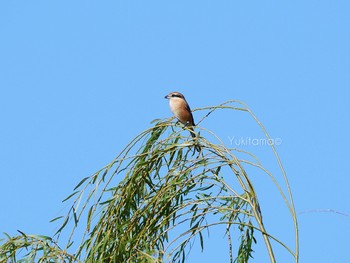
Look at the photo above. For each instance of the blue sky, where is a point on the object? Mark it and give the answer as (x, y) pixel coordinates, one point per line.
(79, 79)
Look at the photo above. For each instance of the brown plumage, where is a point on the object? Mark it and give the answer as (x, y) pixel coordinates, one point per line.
(182, 111)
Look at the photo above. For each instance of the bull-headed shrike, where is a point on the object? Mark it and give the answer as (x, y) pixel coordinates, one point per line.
(182, 111)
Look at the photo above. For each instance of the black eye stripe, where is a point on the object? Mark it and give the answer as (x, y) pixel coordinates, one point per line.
(176, 95)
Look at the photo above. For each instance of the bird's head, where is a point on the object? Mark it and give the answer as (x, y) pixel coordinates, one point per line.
(173, 95)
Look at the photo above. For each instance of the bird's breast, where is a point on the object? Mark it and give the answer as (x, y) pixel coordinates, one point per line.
(180, 109)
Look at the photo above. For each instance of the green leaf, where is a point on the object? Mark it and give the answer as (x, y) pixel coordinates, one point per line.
(63, 225)
(70, 196)
(56, 218)
(155, 120)
(75, 217)
(22, 233)
(81, 182)
(89, 217)
(201, 240)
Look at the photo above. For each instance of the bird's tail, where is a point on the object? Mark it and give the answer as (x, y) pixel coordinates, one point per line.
(195, 136)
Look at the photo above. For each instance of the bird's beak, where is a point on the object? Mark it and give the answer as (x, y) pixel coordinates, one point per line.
(166, 97)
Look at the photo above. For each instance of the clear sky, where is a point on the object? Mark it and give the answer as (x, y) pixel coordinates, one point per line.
(79, 79)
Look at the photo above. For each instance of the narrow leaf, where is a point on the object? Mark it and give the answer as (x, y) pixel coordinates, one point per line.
(70, 196)
(81, 182)
(63, 225)
(56, 218)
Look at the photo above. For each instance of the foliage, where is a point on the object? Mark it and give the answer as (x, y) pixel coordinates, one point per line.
(34, 249)
(156, 199)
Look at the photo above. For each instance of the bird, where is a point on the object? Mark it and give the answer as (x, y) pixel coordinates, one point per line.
(182, 111)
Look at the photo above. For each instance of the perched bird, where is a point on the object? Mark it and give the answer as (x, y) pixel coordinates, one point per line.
(182, 111)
